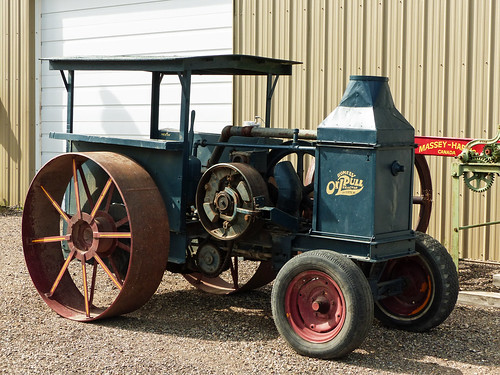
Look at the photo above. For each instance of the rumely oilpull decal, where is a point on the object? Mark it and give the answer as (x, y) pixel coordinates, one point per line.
(346, 184)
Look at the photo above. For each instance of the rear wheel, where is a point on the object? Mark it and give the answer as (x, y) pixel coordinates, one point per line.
(95, 235)
(430, 291)
(423, 199)
(322, 304)
(242, 275)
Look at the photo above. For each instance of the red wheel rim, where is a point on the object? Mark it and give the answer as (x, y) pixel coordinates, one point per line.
(418, 291)
(315, 306)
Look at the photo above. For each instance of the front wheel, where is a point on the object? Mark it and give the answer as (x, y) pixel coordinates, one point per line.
(322, 304)
(430, 291)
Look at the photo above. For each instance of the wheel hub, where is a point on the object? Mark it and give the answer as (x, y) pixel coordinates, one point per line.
(85, 237)
(321, 304)
(224, 203)
(417, 294)
(315, 306)
(82, 235)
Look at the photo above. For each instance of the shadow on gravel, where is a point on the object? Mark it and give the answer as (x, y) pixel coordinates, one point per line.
(194, 314)
(247, 317)
(470, 343)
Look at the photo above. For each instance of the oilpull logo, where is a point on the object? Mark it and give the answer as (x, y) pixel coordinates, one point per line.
(346, 184)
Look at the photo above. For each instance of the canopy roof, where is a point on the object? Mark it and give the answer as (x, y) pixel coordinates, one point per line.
(212, 65)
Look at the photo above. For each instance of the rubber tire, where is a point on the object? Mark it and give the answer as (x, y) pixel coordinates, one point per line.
(444, 294)
(357, 295)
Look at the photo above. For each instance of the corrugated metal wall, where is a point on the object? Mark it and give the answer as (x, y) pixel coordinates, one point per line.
(17, 93)
(442, 59)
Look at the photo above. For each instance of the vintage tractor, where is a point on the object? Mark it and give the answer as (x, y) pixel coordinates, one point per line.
(104, 221)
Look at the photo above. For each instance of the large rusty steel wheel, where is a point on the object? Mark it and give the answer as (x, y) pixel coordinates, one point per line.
(95, 235)
(242, 275)
(424, 199)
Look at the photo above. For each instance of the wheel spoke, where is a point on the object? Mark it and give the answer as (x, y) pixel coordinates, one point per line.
(121, 245)
(106, 269)
(112, 235)
(61, 273)
(300, 166)
(119, 277)
(86, 187)
(101, 197)
(122, 222)
(52, 239)
(56, 205)
(110, 196)
(77, 191)
(234, 272)
(85, 288)
(92, 283)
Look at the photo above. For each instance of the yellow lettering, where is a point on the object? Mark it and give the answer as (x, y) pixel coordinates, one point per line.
(330, 188)
(446, 152)
(346, 184)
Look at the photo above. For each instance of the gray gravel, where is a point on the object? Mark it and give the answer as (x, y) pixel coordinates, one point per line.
(181, 330)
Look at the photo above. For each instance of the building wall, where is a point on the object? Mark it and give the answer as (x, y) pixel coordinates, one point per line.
(118, 103)
(17, 93)
(442, 59)
(443, 63)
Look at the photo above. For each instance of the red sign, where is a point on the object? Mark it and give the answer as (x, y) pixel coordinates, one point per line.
(442, 146)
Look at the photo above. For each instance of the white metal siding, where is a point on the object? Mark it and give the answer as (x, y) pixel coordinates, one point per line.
(118, 103)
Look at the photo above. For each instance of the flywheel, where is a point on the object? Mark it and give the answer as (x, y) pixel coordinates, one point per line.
(227, 199)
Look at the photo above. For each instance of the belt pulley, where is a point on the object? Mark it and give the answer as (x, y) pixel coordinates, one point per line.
(227, 199)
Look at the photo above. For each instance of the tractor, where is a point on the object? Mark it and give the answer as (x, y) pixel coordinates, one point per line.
(232, 212)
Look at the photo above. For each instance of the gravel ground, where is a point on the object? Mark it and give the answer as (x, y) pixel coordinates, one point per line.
(181, 330)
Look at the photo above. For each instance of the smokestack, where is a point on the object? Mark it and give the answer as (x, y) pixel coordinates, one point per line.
(366, 115)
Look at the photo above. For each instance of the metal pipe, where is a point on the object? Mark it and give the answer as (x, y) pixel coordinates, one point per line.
(261, 146)
(479, 225)
(255, 131)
